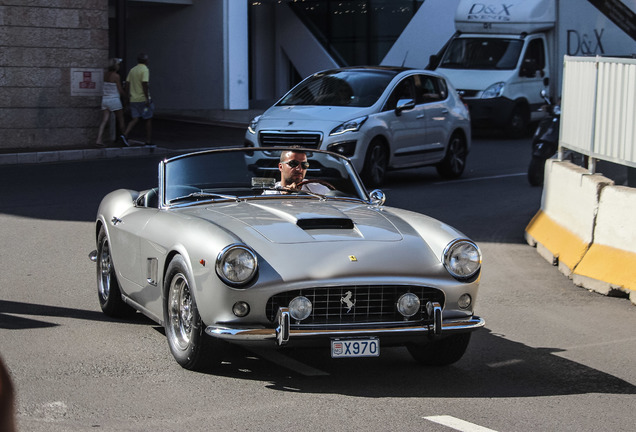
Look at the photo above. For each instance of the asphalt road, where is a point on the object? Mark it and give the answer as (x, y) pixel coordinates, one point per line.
(552, 356)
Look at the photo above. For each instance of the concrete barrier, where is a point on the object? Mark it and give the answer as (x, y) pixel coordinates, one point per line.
(586, 227)
(609, 265)
(563, 228)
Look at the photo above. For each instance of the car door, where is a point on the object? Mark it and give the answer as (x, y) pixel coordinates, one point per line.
(406, 128)
(432, 95)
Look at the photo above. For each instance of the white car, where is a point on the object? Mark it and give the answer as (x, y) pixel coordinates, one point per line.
(379, 117)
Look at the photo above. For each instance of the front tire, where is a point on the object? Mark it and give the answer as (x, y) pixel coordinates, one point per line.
(190, 346)
(442, 352)
(376, 163)
(454, 163)
(108, 290)
(518, 123)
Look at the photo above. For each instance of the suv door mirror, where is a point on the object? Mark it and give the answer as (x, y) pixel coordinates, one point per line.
(404, 105)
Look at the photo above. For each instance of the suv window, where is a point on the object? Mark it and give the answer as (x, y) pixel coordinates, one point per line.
(404, 90)
(430, 89)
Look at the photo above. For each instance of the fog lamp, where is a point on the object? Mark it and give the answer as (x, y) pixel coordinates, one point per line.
(408, 305)
(464, 302)
(241, 309)
(300, 308)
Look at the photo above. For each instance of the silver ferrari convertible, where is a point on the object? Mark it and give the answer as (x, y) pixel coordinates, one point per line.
(283, 248)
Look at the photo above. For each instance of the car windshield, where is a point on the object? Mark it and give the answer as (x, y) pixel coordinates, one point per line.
(355, 88)
(482, 53)
(239, 174)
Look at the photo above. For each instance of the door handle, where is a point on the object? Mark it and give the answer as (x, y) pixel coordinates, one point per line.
(421, 116)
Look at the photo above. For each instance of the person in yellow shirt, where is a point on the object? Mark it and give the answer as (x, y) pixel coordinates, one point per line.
(141, 105)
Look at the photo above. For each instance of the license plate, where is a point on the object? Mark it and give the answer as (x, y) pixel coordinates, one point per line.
(368, 347)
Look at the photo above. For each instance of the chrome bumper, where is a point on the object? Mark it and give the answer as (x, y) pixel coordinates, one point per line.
(282, 333)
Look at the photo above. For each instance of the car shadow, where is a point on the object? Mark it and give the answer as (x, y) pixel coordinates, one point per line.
(16, 315)
(493, 367)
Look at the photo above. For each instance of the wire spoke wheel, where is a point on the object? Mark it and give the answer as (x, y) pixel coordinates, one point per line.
(180, 311)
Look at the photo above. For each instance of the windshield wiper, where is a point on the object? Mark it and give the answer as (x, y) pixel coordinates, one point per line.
(198, 195)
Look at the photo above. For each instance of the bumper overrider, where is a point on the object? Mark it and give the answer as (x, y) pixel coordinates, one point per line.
(283, 333)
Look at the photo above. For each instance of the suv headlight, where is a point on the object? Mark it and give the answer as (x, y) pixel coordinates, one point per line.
(349, 126)
(494, 91)
(462, 259)
(252, 126)
(236, 265)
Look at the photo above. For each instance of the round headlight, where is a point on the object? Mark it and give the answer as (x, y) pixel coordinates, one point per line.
(408, 305)
(462, 259)
(300, 308)
(236, 265)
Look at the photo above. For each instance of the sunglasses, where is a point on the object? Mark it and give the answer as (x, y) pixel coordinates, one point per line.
(294, 163)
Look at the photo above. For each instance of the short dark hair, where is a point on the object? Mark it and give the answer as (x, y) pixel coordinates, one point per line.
(142, 58)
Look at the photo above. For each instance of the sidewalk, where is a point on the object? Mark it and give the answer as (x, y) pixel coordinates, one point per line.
(172, 135)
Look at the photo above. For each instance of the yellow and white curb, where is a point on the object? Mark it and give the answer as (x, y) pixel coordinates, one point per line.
(587, 226)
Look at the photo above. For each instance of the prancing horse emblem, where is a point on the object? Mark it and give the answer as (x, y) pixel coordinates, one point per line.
(347, 300)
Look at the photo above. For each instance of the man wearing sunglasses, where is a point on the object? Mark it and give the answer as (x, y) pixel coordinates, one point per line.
(293, 167)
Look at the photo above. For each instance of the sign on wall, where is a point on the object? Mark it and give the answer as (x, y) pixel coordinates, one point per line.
(86, 82)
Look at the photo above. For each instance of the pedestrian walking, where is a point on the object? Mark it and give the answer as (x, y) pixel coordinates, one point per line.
(112, 99)
(141, 105)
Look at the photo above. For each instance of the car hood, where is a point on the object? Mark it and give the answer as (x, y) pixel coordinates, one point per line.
(300, 117)
(305, 221)
(463, 79)
(301, 237)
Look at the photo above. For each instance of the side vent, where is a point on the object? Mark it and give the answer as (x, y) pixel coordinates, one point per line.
(325, 223)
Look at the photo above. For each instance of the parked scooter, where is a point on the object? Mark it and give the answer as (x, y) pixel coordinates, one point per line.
(545, 141)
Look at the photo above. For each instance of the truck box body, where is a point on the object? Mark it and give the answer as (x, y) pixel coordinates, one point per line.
(506, 51)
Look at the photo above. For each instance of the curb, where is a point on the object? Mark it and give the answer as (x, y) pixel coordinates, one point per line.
(77, 155)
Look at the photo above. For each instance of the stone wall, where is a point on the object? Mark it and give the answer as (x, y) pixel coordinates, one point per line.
(44, 46)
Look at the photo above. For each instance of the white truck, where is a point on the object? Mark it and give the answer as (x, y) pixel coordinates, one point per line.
(506, 51)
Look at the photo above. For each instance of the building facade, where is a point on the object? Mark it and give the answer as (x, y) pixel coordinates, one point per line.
(207, 57)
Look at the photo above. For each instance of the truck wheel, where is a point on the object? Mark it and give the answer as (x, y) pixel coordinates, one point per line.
(453, 164)
(375, 164)
(185, 331)
(518, 123)
(441, 352)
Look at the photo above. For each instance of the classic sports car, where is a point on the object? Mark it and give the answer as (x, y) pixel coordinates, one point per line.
(219, 252)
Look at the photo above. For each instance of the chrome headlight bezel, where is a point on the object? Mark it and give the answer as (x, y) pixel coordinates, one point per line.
(462, 259)
(494, 91)
(236, 265)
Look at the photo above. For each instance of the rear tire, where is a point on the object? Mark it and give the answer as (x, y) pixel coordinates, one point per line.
(375, 164)
(191, 347)
(108, 290)
(442, 352)
(454, 163)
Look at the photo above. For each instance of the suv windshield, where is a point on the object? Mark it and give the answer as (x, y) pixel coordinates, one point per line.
(482, 53)
(356, 88)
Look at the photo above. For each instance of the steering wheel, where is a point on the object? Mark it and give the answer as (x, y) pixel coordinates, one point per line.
(322, 182)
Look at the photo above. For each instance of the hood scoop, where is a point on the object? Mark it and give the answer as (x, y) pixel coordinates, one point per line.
(325, 223)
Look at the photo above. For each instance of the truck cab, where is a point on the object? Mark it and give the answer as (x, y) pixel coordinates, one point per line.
(499, 61)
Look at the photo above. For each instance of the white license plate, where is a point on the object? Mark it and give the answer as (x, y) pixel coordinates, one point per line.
(367, 347)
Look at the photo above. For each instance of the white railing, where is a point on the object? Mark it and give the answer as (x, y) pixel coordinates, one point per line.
(598, 115)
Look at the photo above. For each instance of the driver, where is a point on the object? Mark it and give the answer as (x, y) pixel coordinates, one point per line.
(293, 167)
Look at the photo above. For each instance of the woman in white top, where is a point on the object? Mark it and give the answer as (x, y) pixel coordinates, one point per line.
(111, 99)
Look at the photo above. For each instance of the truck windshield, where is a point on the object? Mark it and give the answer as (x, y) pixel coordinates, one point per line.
(482, 53)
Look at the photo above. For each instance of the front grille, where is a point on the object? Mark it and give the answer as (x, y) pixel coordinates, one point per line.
(372, 304)
(301, 139)
(468, 93)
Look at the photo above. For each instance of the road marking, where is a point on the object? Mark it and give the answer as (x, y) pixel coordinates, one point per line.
(287, 362)
(457, 424)
(481, 178)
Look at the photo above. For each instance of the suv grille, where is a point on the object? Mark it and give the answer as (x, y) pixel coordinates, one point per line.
(302, 139)
(373, 304)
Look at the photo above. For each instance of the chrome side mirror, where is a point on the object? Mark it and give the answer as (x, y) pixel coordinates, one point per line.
(377, 197)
